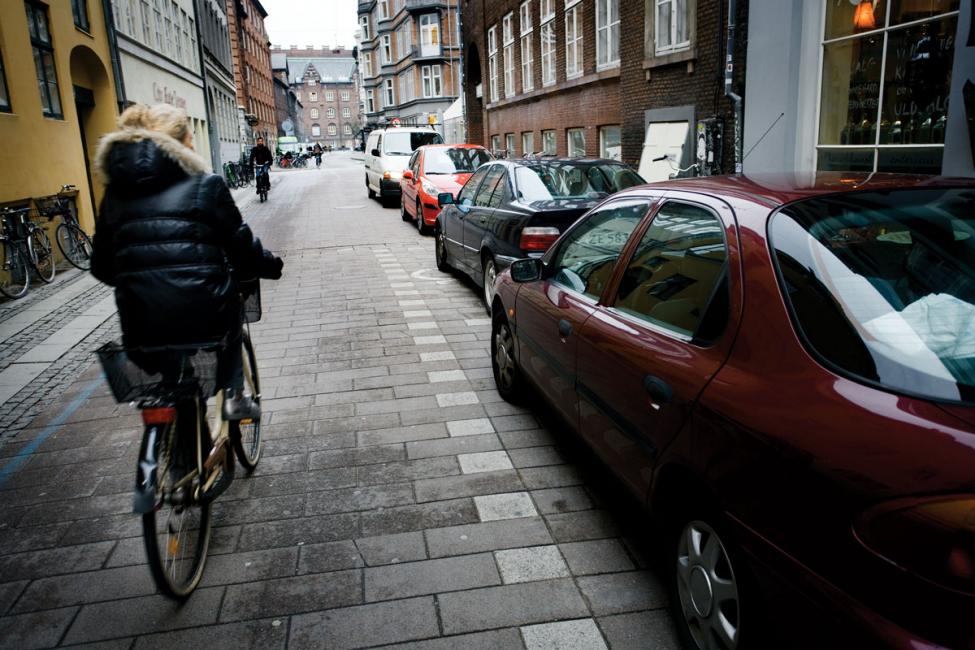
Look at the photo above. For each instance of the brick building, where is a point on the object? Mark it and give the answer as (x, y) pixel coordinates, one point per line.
(591, 77)
(252, 70)
(324, 82)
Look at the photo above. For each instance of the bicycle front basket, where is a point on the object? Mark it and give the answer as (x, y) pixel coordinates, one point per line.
(52, 206)
(250, 291)
(163, 372)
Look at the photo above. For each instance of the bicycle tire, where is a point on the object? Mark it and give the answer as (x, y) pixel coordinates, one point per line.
(75, 245)
(163, 572)
(14, 271)
(41, 255)
(247, 434)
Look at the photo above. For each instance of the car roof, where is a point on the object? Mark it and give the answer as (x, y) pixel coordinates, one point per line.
(451, 146)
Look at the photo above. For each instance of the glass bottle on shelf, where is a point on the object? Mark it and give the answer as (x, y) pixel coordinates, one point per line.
(938, 131)
(926, 127)
(896, 133)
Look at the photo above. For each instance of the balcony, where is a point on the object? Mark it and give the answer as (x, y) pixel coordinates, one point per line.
(418, 6)
(427, 52)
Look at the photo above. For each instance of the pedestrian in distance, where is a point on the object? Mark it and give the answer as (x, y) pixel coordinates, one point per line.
(317, 152)
(261, 159)
(172, 242)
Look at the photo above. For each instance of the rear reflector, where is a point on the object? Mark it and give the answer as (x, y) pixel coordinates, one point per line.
(159, 415)
(538, 239)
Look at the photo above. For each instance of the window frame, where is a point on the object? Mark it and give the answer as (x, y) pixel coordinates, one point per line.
(430, 76)
(7, 107)
(330, 95)
(612, 30)
(346, 112)
(574, 12)
(313, 114)
(548, 52)
(330, 113)
(313, 129)
(79, 12)
(364, 26)
(602, 140)
(387, 49)
(492, 42)
(652, 57)
(370, 100)
(39, 45)
(389, 98)
(555, 141)
(384, 10)
(527, 149)
(568, 141)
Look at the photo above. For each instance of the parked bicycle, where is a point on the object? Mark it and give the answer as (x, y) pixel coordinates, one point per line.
(231, 176)
(23, 242)
(185, 460)
(74, 242)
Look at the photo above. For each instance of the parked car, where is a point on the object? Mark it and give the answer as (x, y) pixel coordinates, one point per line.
(513, 208)
(786, 376)
(387, 153)
(434, 169)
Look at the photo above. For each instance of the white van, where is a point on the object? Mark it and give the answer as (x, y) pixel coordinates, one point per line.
(388, 153)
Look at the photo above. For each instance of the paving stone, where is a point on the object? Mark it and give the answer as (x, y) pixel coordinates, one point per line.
(519, 422)
(580, 634)
(536, 478)
(266, 564)
(418, 517)
(79, 588)
(392, 549)
(365, 625)
(470, 427)
(250, 635)
(597, 556)
(359, 499)
(564, 499)
(310, 530)
(49, 562)
(288, 596)
(408, 470)
(467, 485)
(531, 563)
(520, 604)
(358, 456)
(639, 630)
(35, 630)
(488, 461)
(301, 482)
(615, 593)
(452, 446)
(587, 524)
(489, 536)
(509, 639)
(456, 399)
(9, 591)
(331, 556)
(439, 376)
(443, 414)
(528, 438)
(247, 510)
(445, 355)
(535, 457)
(505, 506)
(430, 577)
(424, 431)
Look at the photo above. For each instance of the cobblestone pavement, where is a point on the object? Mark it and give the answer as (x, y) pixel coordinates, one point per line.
(399, 503)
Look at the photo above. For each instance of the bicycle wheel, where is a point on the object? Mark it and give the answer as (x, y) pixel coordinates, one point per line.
(177, 532)
(75, 245)
(247, 433)
(41, 254)
(14, 272)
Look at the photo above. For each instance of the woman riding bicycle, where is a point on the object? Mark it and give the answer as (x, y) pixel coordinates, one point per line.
(171, 240)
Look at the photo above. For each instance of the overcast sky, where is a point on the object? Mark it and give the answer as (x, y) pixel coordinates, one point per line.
(311, 22)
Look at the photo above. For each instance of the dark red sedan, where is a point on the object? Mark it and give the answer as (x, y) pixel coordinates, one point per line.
(785, 374)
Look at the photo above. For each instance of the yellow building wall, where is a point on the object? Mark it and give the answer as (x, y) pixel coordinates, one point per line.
(41, 154)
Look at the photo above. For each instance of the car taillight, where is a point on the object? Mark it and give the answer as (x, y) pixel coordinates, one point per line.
(538, 239)
(159, 415)
(932, 538)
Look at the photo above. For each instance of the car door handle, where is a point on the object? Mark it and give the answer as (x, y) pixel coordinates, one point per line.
(660, 391)
(565, 327)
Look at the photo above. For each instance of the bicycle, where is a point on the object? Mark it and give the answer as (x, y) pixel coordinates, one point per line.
(230, 173)
(182, 467)
(263, 181)
(15, 269)
(33, 242)
(74, 242)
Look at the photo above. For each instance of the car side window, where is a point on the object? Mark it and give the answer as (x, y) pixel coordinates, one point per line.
(588, 254)
(500, 191)
(483, 196)
(678, 271)
(470, 187)
(413, 159)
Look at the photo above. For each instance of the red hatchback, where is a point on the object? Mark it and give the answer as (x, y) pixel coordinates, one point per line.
(786, 375)
(434, 169)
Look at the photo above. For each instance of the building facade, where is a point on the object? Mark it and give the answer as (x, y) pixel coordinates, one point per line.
(251, 53)
(324, 82)
(221, 95)
(287, 108)
(887, 87)
(57, 98)
(409, 59)
(160, 59)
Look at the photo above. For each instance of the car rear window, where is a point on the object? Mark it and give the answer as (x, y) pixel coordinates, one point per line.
(881, 286)
(403, 143)
(454, 161)
(564, 180)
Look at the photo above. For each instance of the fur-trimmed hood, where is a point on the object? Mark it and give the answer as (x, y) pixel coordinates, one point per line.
(140, 160)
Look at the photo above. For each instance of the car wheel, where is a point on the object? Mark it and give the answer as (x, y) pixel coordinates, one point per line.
(440, 250)
(372, 194)
(507, 376)
(421, 225)
(404, 215)
(489, 273)
(707, 592)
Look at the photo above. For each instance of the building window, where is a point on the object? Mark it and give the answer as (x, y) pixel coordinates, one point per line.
(160, 43)
(576, 142)
(330, 112)
(609, 143)
(573, 39)
(313, 114)
(387, 49)
(527, 143)
(671, 26)
(4, 93)
(527, 56)
(347, 129)
(345, 95)
(383, 9)
(367, 64)
(388, 85)
(47, 77)
(547, 35)
(364, 26)
(146, 23)
(508, 36)
(177, 32)
(548, 143)
(312, 96)
(429, 35)
(546, 10)
(496, 143)
(404, 40)
(332, 129)
(509, 143)
(432, 81)
(885, 86)
(493, 63)
(330, 95)
(607, 33)
(316, 130)
(407, 92)
(346, 112)
(79, 9)
(370, 101)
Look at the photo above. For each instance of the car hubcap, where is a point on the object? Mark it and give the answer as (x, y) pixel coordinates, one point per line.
(490, 273)
(707, 588)
(503, 355)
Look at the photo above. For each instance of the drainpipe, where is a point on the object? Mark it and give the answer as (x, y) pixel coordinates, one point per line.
(729, 71)
(460, 71)
(113, 54)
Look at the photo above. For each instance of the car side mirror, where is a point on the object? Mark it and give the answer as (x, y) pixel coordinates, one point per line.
(445, 198)
(526, 270)
(407, 175)
(375, 152)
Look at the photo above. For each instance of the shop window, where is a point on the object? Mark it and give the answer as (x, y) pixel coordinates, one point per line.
(576, 142)
(5, 105)
(609, 142)
(43, 49)
(548, 143)
(79, 9)
(573, 39)
(607, 33)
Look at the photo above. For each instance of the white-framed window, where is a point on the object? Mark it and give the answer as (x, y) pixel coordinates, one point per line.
(364, 26)
(607, 33)
(576, 142)
(388, 88)
(158, 23)
(383, 9)
(546, 10)
(332, 129)
(370, 101)
(347, 129)
(509, 144)
(407, 92)
(527, 142)
(345, 95)
(330, 113)
(404, 40)
(346, 112)
(525, 17)
(432, 80)
(316, 131)
(496, 143)
(548, 143)
(367, 64)
(312, 96)
(387, 49)
(330, 95)
(313, 114)
(429, 35)
(146, 23)
(547, 38)
(493, 63)
(609, 142)
(527, 55)
(671, 26)
(573, 39)
(508, 38)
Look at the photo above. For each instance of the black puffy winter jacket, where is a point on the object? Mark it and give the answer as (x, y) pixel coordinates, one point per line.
(171, 241)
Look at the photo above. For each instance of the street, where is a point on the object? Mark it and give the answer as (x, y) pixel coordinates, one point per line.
(399, 502)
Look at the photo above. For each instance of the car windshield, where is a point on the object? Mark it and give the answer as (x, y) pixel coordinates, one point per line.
(564, 180)
(404, 143)
(454, 161)
(882, 286)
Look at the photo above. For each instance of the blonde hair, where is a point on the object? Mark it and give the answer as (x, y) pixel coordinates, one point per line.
(163, 118)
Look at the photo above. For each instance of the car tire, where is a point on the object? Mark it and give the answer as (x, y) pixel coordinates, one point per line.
(421, 225)
(440, 250)
(489, 272)
(372, 194)
(404, 215)
(507, 375)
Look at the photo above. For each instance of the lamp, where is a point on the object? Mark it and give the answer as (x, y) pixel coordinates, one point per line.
(863, 17)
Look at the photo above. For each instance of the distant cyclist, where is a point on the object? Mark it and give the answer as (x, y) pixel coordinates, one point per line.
(261, 155)
(317, 152)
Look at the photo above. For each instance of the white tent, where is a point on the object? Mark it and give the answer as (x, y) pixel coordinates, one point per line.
(453, 123)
